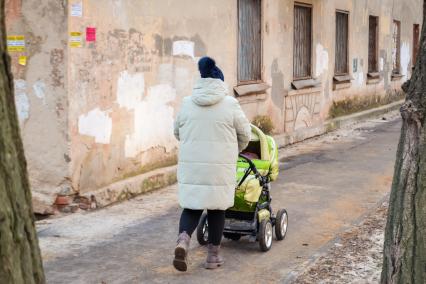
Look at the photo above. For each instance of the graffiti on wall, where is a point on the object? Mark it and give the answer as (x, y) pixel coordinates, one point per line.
(302, 110)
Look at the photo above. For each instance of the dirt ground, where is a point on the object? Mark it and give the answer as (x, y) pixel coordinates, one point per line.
(354, 257)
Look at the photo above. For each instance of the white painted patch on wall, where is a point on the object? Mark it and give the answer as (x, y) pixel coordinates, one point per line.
(39, 88)
(130, 88)
(165, 73)
(183, 47)
(21, 100)
(381, 64)
(405, 58)
(322, 60)
(96, 123)
(153, 122)
(359, 78)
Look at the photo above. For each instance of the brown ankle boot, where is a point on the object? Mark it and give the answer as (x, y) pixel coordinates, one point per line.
(214, 260)
(181, 252)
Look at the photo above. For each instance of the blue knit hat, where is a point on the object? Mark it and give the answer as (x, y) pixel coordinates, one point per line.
(208, 68)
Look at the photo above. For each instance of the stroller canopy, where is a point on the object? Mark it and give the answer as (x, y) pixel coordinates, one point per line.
(258, 136)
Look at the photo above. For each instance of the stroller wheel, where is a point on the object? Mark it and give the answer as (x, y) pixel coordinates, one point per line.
(265, 235)
(281, 224)
(203, 230)
(231, 236)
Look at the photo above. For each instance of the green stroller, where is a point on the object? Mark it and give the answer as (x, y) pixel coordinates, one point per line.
(252, 215)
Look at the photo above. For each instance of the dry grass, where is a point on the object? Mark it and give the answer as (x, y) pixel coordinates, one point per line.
(356, 104)
(264, 123)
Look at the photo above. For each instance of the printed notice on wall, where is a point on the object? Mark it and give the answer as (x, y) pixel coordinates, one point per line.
(77, 9)
(22, 60)
(75, 39)
(15, 43)
(90, 34)
(183, 47)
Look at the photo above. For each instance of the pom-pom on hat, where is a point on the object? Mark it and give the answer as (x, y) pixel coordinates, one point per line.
(208, 68)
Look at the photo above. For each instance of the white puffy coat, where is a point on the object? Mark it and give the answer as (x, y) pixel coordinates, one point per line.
(212, 130)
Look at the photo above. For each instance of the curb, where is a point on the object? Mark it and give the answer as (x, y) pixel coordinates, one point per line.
(131, 187)
(334, 124)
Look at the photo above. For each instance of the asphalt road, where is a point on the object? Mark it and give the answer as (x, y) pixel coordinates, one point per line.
(326, 184)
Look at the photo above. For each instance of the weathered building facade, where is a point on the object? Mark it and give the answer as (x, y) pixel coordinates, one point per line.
(98, 83)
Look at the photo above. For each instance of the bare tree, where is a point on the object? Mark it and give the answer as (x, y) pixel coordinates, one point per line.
(20, 260)
(405, 236)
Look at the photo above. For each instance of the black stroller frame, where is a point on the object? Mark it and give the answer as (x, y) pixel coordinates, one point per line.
(238, 224)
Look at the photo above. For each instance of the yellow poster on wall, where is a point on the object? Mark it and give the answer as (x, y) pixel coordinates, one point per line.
(76, 39)
(16, 43)
(22, 60)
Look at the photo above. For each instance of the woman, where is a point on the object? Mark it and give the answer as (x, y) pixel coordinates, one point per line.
(212, 130)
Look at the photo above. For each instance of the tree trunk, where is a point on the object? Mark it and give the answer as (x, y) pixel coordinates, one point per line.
(405, 236)
(20, 260)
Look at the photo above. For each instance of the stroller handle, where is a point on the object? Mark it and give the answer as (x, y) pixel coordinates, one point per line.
(247, 159)
(252, 168)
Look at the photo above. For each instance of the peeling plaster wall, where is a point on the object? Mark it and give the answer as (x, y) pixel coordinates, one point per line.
(154, 108)
(40, 91)
(126, 87)
(97, 124)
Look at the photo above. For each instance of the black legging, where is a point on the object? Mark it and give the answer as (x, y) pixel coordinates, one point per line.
(216, 219)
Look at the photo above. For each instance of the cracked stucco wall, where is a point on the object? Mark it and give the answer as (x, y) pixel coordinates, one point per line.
(40, 92)
(125, 88)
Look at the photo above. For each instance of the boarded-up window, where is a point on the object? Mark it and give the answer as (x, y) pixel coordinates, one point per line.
(302, 49)
(249, 41)
(396, 47)
(416, 42)
(342, 37)
(372, 44)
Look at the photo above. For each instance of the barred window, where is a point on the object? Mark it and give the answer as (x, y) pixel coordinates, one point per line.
(302, 44)
(249, 41)
(341, 66)
(372, 44)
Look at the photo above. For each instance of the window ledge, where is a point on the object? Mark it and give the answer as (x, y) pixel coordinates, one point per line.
(251, 89)
(396, 77)
(304, 91)
(305, 84)
(373, 75)
(342, 79)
